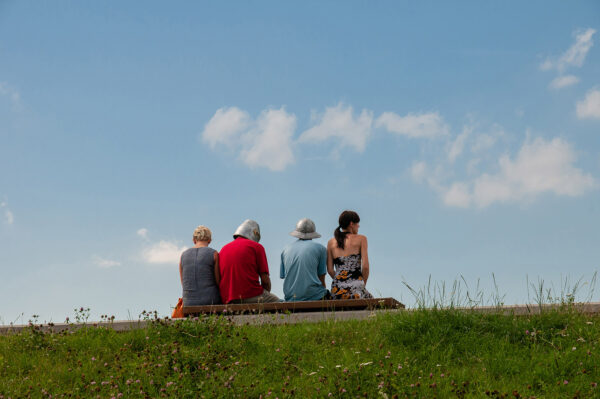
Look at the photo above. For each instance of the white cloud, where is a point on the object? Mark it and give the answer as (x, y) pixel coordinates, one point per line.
(457, 195)
(456, 147)
(269, 144)
(419, 171)
(428, 125)
(143, 233)
(563, 81)
(575, 55)
(13, 95)
(264, 142)
(9, 217)
(225, 127)
(589, 107)
(163, 252)
(540, 167)
(104, 263)
(484, 142)
(339, 123)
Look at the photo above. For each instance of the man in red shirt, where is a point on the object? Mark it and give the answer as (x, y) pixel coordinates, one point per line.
(242, 262)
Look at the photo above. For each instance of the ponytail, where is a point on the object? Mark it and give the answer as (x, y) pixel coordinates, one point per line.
(340, 236)
(345, 219)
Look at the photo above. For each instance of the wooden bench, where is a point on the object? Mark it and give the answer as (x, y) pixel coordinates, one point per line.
(293, 307)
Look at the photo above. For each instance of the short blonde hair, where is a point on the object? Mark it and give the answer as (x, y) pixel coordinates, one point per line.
(202, 233)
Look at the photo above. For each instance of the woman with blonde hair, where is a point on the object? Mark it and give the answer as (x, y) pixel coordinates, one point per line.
(199, 271)
(347, 252)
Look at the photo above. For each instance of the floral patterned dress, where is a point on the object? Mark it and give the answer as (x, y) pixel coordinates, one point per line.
(348, 282)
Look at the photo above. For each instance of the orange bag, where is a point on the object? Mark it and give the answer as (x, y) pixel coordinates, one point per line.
(178, 311)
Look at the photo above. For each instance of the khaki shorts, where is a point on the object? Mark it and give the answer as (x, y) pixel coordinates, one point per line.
(265, 297)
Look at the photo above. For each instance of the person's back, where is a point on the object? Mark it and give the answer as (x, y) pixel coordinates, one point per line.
(198, 270)
(241, 262)
(302, 264)
(348, 260)
(197, 277)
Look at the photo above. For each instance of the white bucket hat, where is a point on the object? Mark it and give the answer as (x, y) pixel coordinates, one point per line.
(305, 230)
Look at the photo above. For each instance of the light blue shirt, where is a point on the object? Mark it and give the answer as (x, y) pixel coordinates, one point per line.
(302, 262)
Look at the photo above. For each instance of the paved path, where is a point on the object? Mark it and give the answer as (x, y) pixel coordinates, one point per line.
(312, 317)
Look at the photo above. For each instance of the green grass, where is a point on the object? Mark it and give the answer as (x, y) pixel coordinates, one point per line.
(424, 353)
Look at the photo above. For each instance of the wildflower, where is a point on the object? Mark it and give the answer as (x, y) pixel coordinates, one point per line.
(366, 364)
(137, 381)
(170, 383)
(120, 395)
(574, 348)
(430, 375)
(93, 359)
(526, 332)
(381, 384)
(312, 373)
(343, 390)
(333, 342)
(594, 384)
(93, 383)
(442, 375)
(147, 338)
(399, 367)
(276, 349)
(565, 382)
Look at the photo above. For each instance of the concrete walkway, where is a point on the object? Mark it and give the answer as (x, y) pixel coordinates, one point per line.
(311, 317)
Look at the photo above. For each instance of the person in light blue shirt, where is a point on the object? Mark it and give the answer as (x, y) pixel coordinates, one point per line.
(304, 265)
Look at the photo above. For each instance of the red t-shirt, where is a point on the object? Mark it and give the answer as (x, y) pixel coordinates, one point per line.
(240, 262)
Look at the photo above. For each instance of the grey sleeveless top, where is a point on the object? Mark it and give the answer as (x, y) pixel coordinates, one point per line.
(198, 279)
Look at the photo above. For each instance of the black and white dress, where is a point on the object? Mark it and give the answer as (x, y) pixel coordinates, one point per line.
(348, 282)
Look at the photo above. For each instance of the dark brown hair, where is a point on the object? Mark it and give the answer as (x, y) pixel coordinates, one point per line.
(346, 218)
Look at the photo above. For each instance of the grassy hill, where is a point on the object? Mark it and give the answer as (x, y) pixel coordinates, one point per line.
(424, 353)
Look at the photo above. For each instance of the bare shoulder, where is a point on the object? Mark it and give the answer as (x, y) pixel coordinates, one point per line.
(361, 238)
(331, 243)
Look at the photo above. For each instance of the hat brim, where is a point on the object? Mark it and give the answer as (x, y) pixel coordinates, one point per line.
(305, 236)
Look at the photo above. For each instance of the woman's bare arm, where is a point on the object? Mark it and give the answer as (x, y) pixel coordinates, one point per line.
(217, 269)
(365, 258)
(330, 269)
(180, 272)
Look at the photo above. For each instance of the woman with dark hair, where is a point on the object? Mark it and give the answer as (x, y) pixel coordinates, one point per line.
(347, 252)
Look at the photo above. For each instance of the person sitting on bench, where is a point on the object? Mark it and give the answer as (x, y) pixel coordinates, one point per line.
(347, 252)
(242, 262)
(199, 271)
(304, 265)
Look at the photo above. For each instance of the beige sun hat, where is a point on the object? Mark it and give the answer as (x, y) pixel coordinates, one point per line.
(305, 230)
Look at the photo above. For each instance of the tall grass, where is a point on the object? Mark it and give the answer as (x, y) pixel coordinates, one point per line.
(459, 294)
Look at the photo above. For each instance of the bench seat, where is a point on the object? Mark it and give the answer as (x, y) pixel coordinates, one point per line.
(293, 307)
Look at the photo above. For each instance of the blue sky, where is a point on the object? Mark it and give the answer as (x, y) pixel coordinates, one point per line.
(466, 135)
